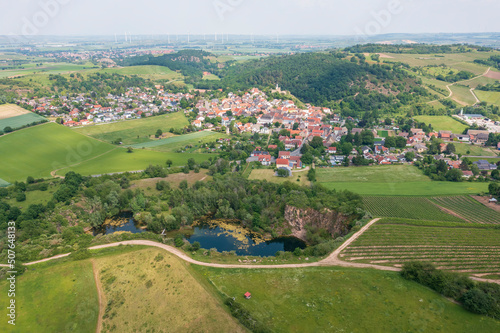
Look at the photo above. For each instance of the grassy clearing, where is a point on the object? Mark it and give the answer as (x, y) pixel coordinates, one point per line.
(469, 208)
(59, 298)
(327, 299)
(119, 160)
(47, 68)
(299, 178)
(33, 198)
(135, 131)
(392, 180)
(472, 250)
(147, 72)
(442, 123)
(36, 151)
(182, 141)
(491, 97)
(406, 207)
(149, 289)
(149, 185)
(462, 95)
(472, 150)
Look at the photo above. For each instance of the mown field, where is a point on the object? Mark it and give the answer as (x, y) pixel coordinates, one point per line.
(472, 150)
(119, 160)
(153, 291)
(392, 180)
(135, 131)
(462, 95)
(47, 68)
(491, 97)
(57, 298)
(458, 247)
(182, 141)
(299, 178)
(11, 110)
(147, 72)
(333, 299)
(469, 209)
(149, 185)
(36, 151)
(442, 123)
(407, 207)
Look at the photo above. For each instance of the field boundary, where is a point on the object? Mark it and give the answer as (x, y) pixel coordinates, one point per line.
(100, 296)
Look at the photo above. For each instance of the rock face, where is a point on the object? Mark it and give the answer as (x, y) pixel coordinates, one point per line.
(334, 222)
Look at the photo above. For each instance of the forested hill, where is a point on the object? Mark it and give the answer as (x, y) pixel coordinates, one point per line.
(326, 79)
(190, 63)
(416, 48)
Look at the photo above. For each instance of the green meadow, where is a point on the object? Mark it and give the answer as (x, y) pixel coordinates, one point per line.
(20, 121)
(119, 160)
(135, 131)
(147, 72)
(36, 151)
(55, 298)
(442, 123)
(332, 299)
(181, 141)
(392, 180)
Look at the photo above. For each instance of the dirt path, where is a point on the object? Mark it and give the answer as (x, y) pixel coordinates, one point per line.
(101, 297)
(331, 260)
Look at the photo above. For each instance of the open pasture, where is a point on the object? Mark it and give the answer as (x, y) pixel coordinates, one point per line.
(392, 180)
(136, 130)
(406, 207)
(181, 141)
(442, 123)
(462, 95)
(119, 160)
(57, 298)
(469, 209)
(299, 178)
(463, 249)
(490, 97)
(36, 151)
(147, 72)
(336, 299)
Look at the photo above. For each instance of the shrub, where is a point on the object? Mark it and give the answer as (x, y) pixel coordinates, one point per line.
(20, 197)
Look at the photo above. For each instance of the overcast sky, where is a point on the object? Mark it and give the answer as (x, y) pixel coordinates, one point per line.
(285, 17)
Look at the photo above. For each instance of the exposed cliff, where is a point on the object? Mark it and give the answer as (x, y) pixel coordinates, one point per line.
(334, 222)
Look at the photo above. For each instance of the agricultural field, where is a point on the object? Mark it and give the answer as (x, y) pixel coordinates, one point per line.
(392, 180)
(393, 242)
(385, 134)
(406, 207)
(11, 110)
(442, 123)
(36, 151)
(469, 209)
(151, 289)
(135, 131)
(490, 97)
(299, 178)
(182, 141)
(45, 69)
(119, 160)
(459, 61)
(33, 198)
(335, 299)
(147, 72)
(55, 298)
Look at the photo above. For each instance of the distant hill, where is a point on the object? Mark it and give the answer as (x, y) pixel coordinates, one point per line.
(189, 62)
(325, 79)
(416, 48)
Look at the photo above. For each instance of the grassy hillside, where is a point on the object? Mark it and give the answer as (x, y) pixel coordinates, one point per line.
(151, 290)
(135, 131)
(119, 160)
(38, 150)
(331, 299)
(442, 123)
(57, 298)
(181, 141)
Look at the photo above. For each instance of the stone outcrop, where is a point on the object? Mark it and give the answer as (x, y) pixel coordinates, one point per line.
(334, 222)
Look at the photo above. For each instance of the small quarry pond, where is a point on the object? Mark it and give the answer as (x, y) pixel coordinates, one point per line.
(229, 237)
(218, 234)
(123, 222)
